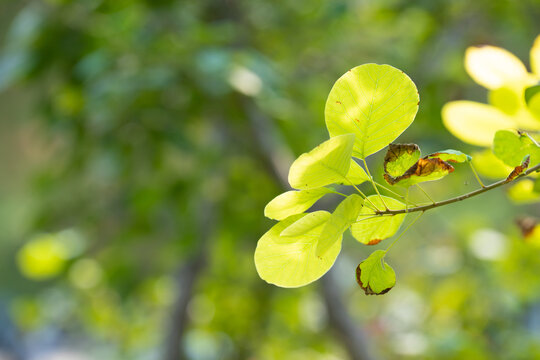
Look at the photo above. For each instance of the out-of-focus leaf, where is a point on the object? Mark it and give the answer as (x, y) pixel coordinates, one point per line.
(487, 164)
(400, 157)
(293, 202)
(328, 163)
(505, 99)
(523, 192)
(374, 275)
(344, 215)
(532, 99)
(535, 56)
(375, 102)
(450, 155)
(290, 261)
(475, 123)
(372, 230)
(306, 223)
(493, 67)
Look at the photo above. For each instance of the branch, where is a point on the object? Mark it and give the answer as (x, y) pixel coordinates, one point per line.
(459, 198)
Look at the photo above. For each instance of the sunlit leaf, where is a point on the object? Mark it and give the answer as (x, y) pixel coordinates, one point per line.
(424, 170)
(400, 157)
(306, 223)
(374, 275)
(487, 164)
(532, 99)
(475, 123)
(293, 202)
(344, 215)
(450, 155)
(523, 192)
(511, 148)
(290, 261)
(505, 99)
(328, 163)
(375, 102)
(43, 257)
(372, 230)
(356, 175)
(535, 56)
(493, 67)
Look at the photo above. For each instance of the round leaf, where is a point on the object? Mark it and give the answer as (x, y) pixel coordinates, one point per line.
(375, 102)
(293, 202)
(306, 223)
(374, 275)
(374, 230)
(290, 261)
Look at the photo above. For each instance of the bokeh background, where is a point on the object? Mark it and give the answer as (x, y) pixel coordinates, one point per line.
(140, 141)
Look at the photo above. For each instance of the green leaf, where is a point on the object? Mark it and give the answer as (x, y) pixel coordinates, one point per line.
(475, 123)
(487, 164)
(344, 215)
(506, 99)
(400, 157)
(306, 223)
(523, 192)
(532, 99)
(535, 56)
(375, 102)
(374, 275)
(511, 148)
(424, 170)
(375, 229)
(290, 261)
(450, 155)
(328, 163)
(293, 202)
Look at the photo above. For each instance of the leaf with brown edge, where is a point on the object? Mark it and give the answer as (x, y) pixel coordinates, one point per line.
(518, 170)
(374, 275)
(399, 158)
(450, 155)
(423, 170)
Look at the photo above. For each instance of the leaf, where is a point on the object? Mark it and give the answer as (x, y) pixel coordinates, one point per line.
(493, 67)
(374, 275)
(356, 175)
(344, 215)
(535, 56)
(518, 170)
(532, 99)
(475, 123)
(523, 192)
(290, 261)
(293, 202)
(306, 223)
(506, 99)
(511, 148)
(487, 164)
(424, 170)
(450, 155)
(374, 230)
(326, 164)
(400, 157)
(375, 102)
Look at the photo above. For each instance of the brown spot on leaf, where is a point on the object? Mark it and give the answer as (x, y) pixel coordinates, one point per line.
(396, 150)
(338, 102)
(367, 289)
(422, 167)
(518, 170)
(374, 241)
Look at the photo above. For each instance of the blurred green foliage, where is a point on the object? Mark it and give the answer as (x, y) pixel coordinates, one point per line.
(125, 124)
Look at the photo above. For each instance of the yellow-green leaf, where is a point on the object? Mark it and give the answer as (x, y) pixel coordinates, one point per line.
(487, 164)
(328, 163)
(523, 192)
(375, 102)
(535, 56)
(293, 202)
(424, 170)
(344, 215)
(475, 123)
(290, 261)
(511, 148)
(450, 155)
(306, 223)
(493, 67)
(374, 275)
(372, 230)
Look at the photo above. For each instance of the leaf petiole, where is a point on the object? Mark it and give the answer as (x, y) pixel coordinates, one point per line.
(403, 232)
(373, 183)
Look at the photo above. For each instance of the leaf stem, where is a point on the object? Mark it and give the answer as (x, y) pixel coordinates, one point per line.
(461, 197)
(376, 209)
(405, 198)
(476, 174)
(425, 193)
(403, 232)
(373, 183)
